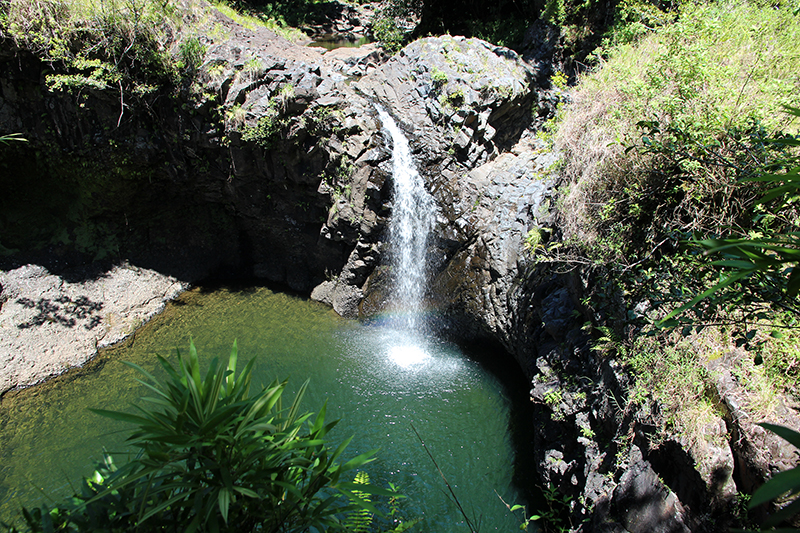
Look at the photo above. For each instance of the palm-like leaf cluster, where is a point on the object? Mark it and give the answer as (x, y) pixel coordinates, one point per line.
(213, 457)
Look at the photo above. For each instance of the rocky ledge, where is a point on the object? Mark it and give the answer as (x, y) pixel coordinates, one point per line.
(49, 323)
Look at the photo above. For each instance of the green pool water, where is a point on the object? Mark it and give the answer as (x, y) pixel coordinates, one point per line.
(464, 403)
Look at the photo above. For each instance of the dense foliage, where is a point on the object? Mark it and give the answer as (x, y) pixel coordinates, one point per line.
(93, 45)
(680, 203)
(214, 457)
(670, 140)
(762, 267)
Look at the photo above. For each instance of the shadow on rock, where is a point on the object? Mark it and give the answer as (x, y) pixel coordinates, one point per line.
(63, 310)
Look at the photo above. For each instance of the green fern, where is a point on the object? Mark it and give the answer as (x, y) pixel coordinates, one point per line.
(360, 520)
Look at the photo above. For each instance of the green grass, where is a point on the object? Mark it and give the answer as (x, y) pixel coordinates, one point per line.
(130, 44)
(672, 369)
(672, 373)
(49, 26)
(655, 142)
(720, 67)
(97, 45)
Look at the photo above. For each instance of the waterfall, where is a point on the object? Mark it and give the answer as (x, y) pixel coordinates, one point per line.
(413, 218)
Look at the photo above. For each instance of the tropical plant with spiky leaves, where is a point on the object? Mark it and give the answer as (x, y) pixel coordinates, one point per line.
(214, 457)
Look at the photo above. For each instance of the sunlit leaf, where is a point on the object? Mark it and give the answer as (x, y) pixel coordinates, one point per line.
(789, 435)
(779, 484)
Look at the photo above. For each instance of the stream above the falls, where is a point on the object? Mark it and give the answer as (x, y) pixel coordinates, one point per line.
(468, 405)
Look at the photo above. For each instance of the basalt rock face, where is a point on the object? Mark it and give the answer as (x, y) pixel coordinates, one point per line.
(100, 179)
(462, 102)
(271, 164)
(293, 153)
(223, 177)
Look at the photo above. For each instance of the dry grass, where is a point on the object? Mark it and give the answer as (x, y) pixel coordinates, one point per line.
(668, 371)
(718, 68)
(762, 394)
(588, 138)
(235, 118)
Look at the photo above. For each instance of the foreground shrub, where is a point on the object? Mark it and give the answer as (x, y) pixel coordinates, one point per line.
(213, 457)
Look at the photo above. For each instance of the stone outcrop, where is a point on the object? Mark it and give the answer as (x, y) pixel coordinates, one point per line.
(494, 193)
(461, 101)
(452, 96)
(49, 324)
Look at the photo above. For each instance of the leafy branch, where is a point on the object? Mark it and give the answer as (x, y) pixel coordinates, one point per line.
(5, 139)
(784, 485)
(770, 259)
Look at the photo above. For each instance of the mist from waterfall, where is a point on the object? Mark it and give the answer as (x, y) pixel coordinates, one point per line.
(413, 217)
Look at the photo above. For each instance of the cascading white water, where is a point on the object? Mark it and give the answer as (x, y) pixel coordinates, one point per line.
(413, 217)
